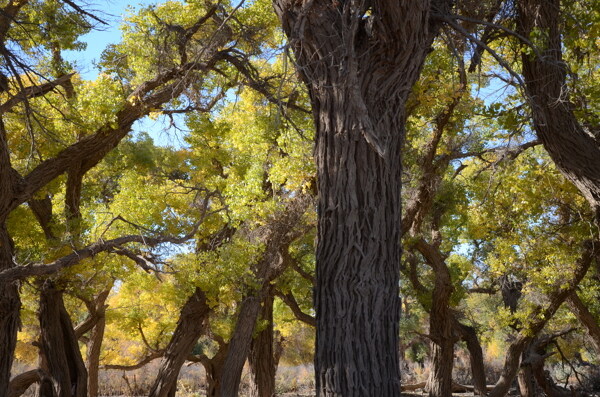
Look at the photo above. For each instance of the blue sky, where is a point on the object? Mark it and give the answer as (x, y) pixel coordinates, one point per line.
(113, 12)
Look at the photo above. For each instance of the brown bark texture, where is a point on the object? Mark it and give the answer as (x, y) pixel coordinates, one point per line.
(574, 149)
(214, 370)
(359, 61)
(525, 377)
(10, 305)
(441, 324)
(262, 358)
(586, 318)
(59, 345)
(20, 383)
(469, 335)
(94, 344)
(189, 328)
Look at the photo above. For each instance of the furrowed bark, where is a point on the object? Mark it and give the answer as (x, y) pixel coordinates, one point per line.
(359, 67)
(20, 383)
(469, 335)
(574, 149)
(59, 345)
(441, 324)
(189, 328)
(10, 305)
(94, 344)
(261, 358)
(214, 370)
(586, 318)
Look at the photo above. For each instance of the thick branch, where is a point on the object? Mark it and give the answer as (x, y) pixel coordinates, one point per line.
(21, 272)
(138, 365)
(291, 302)
(33, 92)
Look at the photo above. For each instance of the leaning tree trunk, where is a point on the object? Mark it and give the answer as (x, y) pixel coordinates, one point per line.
(359, 61)
(574, 150)
(261, 358)
(469, 335)
(188, 330)
(59, 345)
(586, 318)
(10, 304)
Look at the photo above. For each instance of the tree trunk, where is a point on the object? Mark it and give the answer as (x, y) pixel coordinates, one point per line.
(188, 330)
(441, 326)
(94, 345)
(439, 383)
(214, 371)
(574, 150)
(59, 345)
(238, 346)
(10, 305)
(277, 234)
(469, 335)
(359, 61)
(262, 358)
(586, 318)
(525, 376)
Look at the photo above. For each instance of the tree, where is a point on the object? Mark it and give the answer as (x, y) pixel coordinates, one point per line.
(359, 61)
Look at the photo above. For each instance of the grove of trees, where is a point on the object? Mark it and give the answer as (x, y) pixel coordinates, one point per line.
(382, 187)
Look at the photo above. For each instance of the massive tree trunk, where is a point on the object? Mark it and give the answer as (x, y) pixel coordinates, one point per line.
(359, 61)
(574, 149)
(188, 330)
(262, 358)
(59, 345)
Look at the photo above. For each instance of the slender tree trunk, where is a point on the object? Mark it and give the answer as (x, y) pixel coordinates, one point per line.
(238, 346)
(469, 335)
(261, 358)
(59, 345)
(277, 234)
(189, 328)
(10, 305)
(94, 345)
(359, 61)
(441, 327)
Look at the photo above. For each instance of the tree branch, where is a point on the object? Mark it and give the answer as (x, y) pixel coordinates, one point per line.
(34, 92)
(291, 302)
